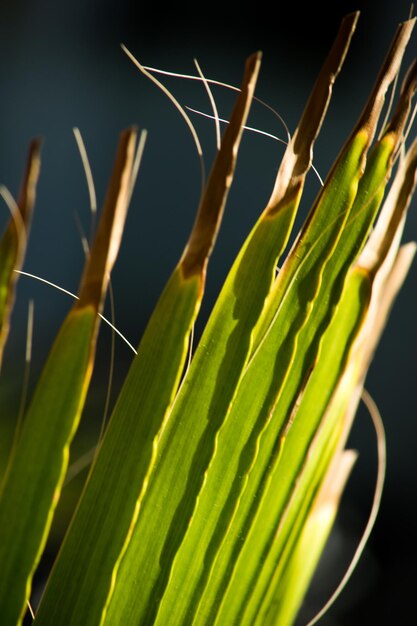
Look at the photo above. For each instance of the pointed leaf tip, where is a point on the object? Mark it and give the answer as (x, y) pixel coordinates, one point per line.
(403, 108)
(107, 241)
(28, 188)
(318, 101)
(389, 70)
(210, 212)
(14, 240)
(299, 152)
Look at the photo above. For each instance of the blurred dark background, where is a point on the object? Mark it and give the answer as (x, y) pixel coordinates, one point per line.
(61, 66)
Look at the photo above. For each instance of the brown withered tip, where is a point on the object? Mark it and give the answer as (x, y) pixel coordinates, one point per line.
(298, 155)
(27, 192)
(18, 229)
(403, 109)
(110, 229)
(210, 212)
(389, 70)
(318, 101)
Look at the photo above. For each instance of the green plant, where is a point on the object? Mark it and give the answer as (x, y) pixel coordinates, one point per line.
(215, 486)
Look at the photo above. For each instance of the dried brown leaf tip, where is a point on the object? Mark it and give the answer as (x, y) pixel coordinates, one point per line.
(14, 240)
(403, 109)
(21, 218)
(210, 212)
(317, 104)
(369, 119)
(298, 155)
(109, 234)
(27, 194)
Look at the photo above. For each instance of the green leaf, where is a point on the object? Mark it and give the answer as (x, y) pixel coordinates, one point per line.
(230, 455)
(33, 480)
(82, 581)
(284, 594)
(282, 497)
(293, 582)
(188, 439)
(226, 476)
(206, 488)
(320, 414)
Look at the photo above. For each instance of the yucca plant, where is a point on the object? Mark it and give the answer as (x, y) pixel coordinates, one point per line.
(217, 482)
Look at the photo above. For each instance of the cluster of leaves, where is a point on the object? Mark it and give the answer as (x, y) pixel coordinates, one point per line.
(215, 486)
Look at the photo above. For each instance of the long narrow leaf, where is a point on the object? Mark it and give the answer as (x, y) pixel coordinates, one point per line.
(280, 600)
(34, 478)
(363, 292)
(81, 583)
(226, 476)
(293, 584)
(187, 442)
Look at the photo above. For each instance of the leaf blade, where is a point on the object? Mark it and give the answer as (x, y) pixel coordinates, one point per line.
(272, 228)
(36, 471)
(251, 398)
(114, 492)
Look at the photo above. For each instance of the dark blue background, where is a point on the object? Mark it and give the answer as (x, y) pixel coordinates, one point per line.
(61, 66)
